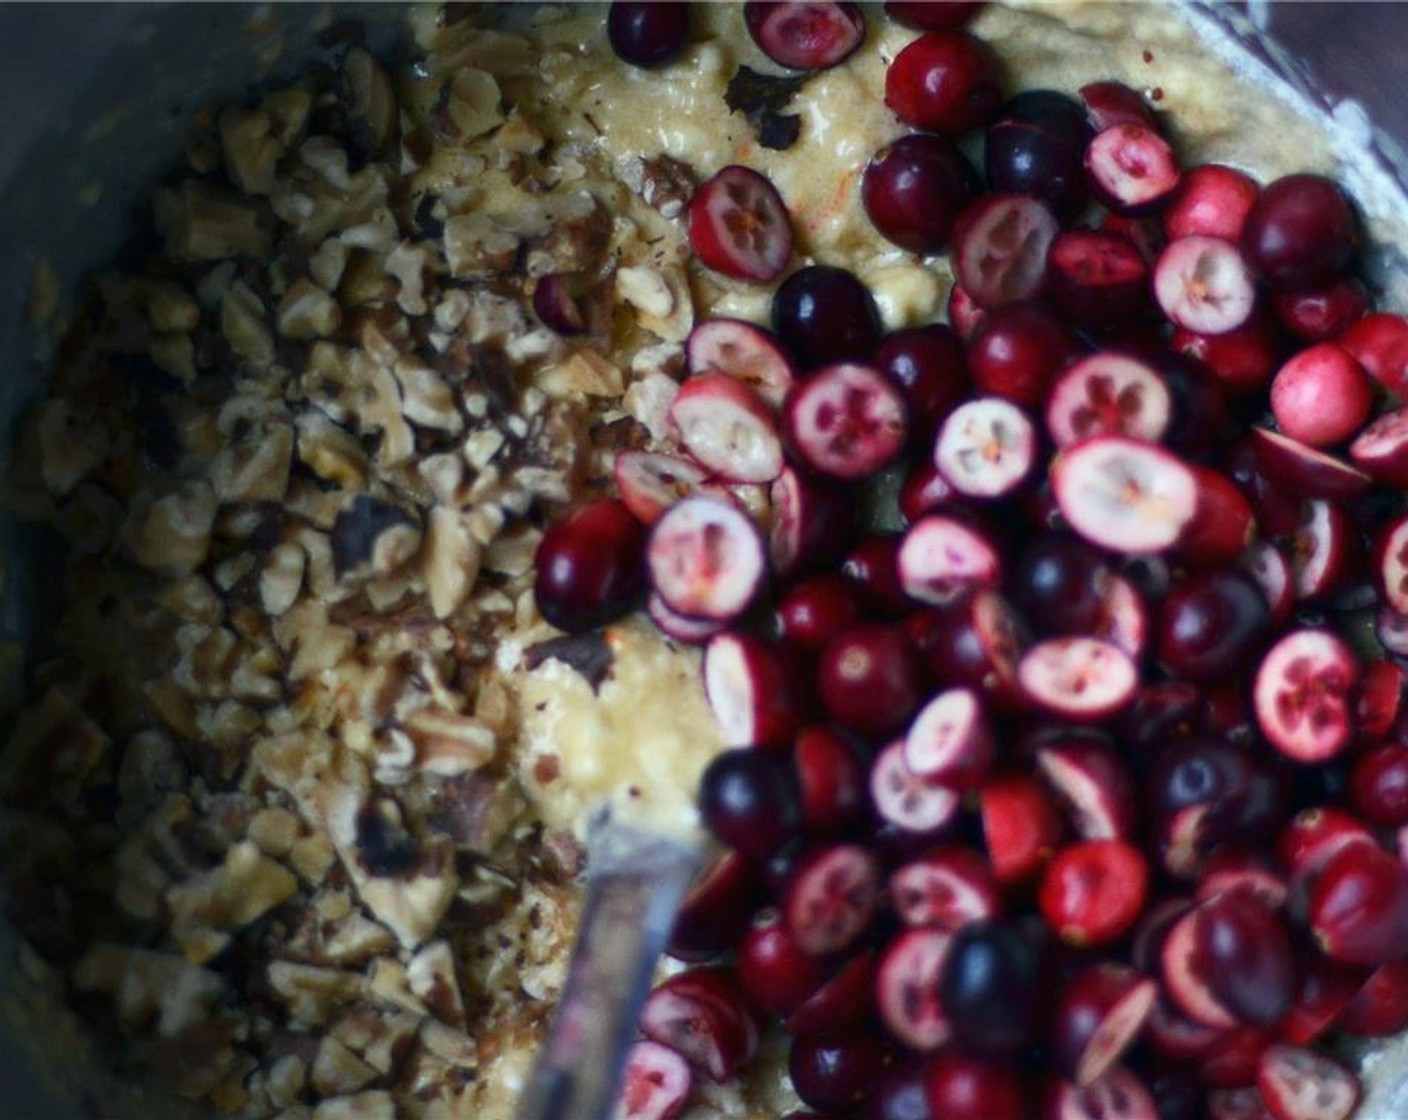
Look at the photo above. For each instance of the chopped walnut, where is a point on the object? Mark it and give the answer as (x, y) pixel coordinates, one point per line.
(145, 984)
(205, 911)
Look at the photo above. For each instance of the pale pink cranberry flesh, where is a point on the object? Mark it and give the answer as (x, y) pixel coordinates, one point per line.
(1078, 677)
(1380, 1006)
(869, 679)
(1018, 351)
(1131, 168)
(1391, 563)
(1381, 449)
(680, 627)
(1300, 232)
(776, 975)
(1212, 201)
(1232, 869)
(907, 989)
(923, 491)
(913, 188)
(1321, 396)
(964, 314)
(1094, 786)
(1187, 975)
(906, 800)
(1000, 244)
(1203, 284)
(986, 448)
(1243, 359)
(1124, 495)
(650, 482)
(927, 364)
(1246, 949)
(811, 522)
(831, 897)
(706, 559)
(1269, 567)
(715, 913)
(1108, 104)
(1124, 618)
(975, 641)
(844, 1001)
(941, 557)
(589, 567)
(1238, 1104)
(1301, 695)
(1379, 343)
(846, 421)
(1021, 826)
(805, 34)
(754, 690)
(950, 740)
(1301, 1084)
(833, 777)
(1325, 551)
(1358, 906)
(728, 428)
(816, 609)
(945, 81)
(1097, 278)
(945, 888)
(1108, 393)
(655, 1085)
(1304, 471)
(1118, 1095)
(1101, 1013)
(746, 352)
(739, 225)
(702, 1015)
(1318, 314)
(556, 306)
(1223, 522)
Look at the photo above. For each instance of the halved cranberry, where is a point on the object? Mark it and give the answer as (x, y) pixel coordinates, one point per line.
(906, 800)
(868, 678)
(728, 428)
(1380, 1007)
(746, 352)
(656, 1082)
(831, 898)
(1272, 573)
(1179, 1038)
(1313, 836)
(1321, 396)
(945, 81)
(805, 34)
(702, 1015)
(1327, 990)
(824, 314)
(1380, 700)
(1378, 785)
(992, 986)
(1300, 231)
(589, 566)
(1379, 343)
(1187, 975)
(1000, 243)
(1301, 695)
(927, 365)
(1212, 201)
(1318, 314)
(1094, 785)
(1021, 826)
(647, 35)
(846, 421)
(1078, 678)
(1246, 951)
(812, 519)
(1203, 284)
(942, 557)
(715, 912)
(1381, 449)
(754, 690)
(986, 448)
(945, 888)
(1230, 868)
(1108, 104)
(913, 189)
(1325, 551)
(1243, 359)
(1101, 1013)
(1124, 618)
(705, 559)
(832, 779)
(1093, 891)
(963, 312)
(950, 740)
(1359, 906)
(1124, 495)
(907, 988)
(845, 1000)
(1300, 1084)
(1391, 563)
(650, 482)
(1036, 147)
(1018, 351)
(680, 627)
(1108, 393)
(963, 1087)
(739, 225)
(1303, 470)
(1061, 584)
(975, 641)
(749, 800)
(1132, 169)
(1223, 522)
(924, 491)
(1119, 1095)
(1097, 278)
(1232, 1063)
(837, 1071)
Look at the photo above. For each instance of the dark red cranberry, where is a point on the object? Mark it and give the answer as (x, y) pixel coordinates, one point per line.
(1199, 409)
(1243, 359)
(557, 306)
(590, 566)
(1160, 714)
(1037, 147)
(816, 609)
(1317, 314)
(933, 15)
(868, 678)
(1108, 104)
(945, 81)
(1059, 584)
(777, 977)
(994, 986)
(914, 187)
(925, 490)
(824, 315)
(1098, 279)
(1017, 352)
(927, 364)
(837, 1071)
(1358, 908)
(1378, 785)
(975, 641)
(873, 566)
(805, 35)
(1380, 1007)
(1300, 232)
(1212, 626)
(647, 34)
(716, 910)
(750, 800)
(963, 1087)
(832, 777)
(900, 1094)
(1247, 953)
(1379, 343)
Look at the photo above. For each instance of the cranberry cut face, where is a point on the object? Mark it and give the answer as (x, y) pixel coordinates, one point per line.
(1124, 495)
(812, 519)
(1101, 1013)
(656, 1082)
(651, 482)
(1119, 1095)
(739, 226)
(1000, 246)
(913, 189)
(942, 557)
(1391, 563)
(805, 34)
(1302, 694)
(1381, 449)
(1300, 1084)
(702, 1015)
(706, 559)
(1303, 471)
(1379, 343)
(1132, 169)
(1078, 678)
(1098, 279)
(1108, 104)
(831, 898)
(754, 690)
(950, 740)
(907, 989)
(728, 428)
(986, 448)
(846, 421)
(1203, 284)
(1108, 394)
(1094, 785)
(648, 35)
(944, 889)
(945, 81)
(745, 352)
(906, 800)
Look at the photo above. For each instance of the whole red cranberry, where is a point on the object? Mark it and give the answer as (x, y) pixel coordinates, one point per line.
(591, 566)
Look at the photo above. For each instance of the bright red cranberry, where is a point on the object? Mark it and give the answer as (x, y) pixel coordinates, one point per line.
(716, 911)
(837, 1071)
(1302, 471)
(963, 1087)
(656, 1082)
(1379, 343)
(1108, 104)
(1212, 626)
(993, 986)
(1299, 1084)
(1000, 247)
(1101, 1013)
(705, 559)
(1380, 700)
(1358, 909)
(1037, 147)
(1018, 351)
(702, 1015)
(648, 35)
(1318, 314)
(807, 34)
(1380, 1007)
(1204, 284)
(927, 364)
(1124, 495)
(1097, 278)
(738, 225)
(845, 1000)
(868, 679)
(1243, 359)
(824, 314)
(590, 566)
(728, 428)
(832, 779)
(1213, 201)
(1313, 835)
(945, 81)
(777, 976)
(1301, 695)
(1300, 231)
(913, 189)
(1321, 396)
(1093, 891)
(1021, 826)
(907, 988)
(1378, 785)
(963, 311)
(750, 801)
(1131, 168)
(754, 690)
(816, 609)
(933, 15)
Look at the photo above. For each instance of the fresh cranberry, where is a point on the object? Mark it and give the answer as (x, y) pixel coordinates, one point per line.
(1204, 284)
(1093, 891)
(832, 778)
(1378, 785)
(1021, 826)
(837, 1071)
(777, 977)
(1246, 949)
(702, 1015)
(907, 988)
(648, 35)
(1092, 782)
(750, 800)
(925, 490)
(963, 311)
(1380, 1006)
(738, 225)
(927, 364)
(590, 566)
(1036, 146)
(831, 897)
(1299, 1084)
(1101, 1013)
(873, 566)
(1300, 231)
(1358, 910)
(1018, 351)
(1212, 626)
(805, 35)
(1321, 396)
(1000, 247)
(1379, 343)
(1318, 314)
(1097, 278)
(816, 609)
(655, 1084)
(993, 986)
(1131, 168)
(1108, 104)
(943, 557)
(913, 189)
(975, 641)
(868, 678)
(1125, 495)
(1301, 693)
(1243, 358)
(945, 81)
(1213, 201)
(846, 421)
(1059, 584)
(824, 314)
(963, 1087)
(716, 911)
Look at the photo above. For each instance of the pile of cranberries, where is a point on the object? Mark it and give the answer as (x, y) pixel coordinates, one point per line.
(1085, 795)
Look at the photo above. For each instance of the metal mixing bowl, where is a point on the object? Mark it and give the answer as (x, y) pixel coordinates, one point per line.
(98, 102)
